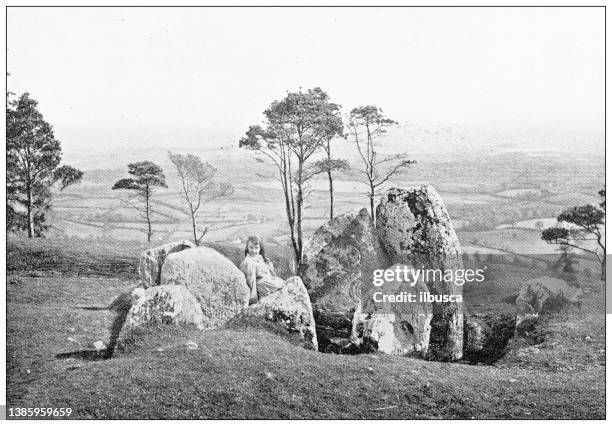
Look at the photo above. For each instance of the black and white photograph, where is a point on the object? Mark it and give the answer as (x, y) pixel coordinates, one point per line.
(261, 212)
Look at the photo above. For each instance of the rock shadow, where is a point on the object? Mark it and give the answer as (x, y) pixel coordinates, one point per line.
(87, 355)
(121, 306)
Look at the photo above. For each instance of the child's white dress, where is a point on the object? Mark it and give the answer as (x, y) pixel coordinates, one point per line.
(260, 273)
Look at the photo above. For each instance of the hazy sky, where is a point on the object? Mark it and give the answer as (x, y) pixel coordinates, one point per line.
(107, 72)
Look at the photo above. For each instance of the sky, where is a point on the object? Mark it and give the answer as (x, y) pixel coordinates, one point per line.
(113, 79)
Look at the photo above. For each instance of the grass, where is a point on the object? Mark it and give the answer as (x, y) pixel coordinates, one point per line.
(500, 288)
(238, 373)
(81, 257)
(72, 257)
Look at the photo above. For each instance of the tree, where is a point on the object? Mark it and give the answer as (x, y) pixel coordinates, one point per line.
(329, 164)
(146, 175)
(567, 261)
(34, 174)
(539, 225)
(367, 124)
(585, 224)
(296, 128)
(197, 187)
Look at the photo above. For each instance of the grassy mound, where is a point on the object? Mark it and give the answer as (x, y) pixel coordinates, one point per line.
(238, 373)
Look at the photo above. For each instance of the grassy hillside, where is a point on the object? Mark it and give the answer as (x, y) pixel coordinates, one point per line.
(245, 373)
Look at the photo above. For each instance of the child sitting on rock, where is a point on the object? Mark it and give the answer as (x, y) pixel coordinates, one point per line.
(259, 271)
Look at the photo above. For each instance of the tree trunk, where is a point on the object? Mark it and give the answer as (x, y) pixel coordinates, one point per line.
(148, 213)
(331, 195)
(298, 223)
(372, 206)
(193, 225)
(30, 209)
(603, 255)
(290, 218)
(294, 243)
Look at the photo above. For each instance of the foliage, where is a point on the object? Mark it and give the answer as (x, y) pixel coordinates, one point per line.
(34, 174)
(146, 175)
(577, 225)
(198, 187)
(328, 165)
(587, 217)
(555, 234)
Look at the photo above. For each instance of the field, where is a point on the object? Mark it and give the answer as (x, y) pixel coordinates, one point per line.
(246, 373)
(519, 192)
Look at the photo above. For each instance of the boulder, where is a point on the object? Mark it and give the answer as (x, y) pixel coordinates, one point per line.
(218, 285)
(414, 223)
(475, 334)
(137, 293)
(98, 346)
(334, 277)
(325, 234)
(486, 336)
(164, 304)
(414, 227)
(288, 308)
(544, 294)
(395, 326)
(151, 261)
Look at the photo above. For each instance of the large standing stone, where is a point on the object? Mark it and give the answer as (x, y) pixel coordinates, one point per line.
(413, 222)
(414, 227)
(542, 294)
(218, 285)
(325, 234)
(392, 319)
(151, 261)
(334, 277)
(288, 308)
(161, 305)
